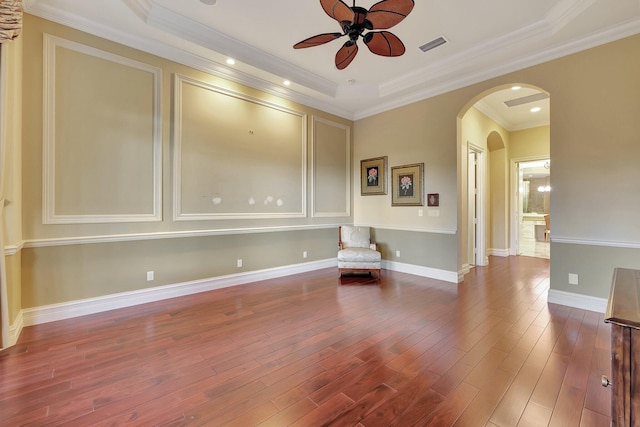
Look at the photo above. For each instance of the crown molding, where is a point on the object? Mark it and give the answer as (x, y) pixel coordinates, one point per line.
(438, 78)
(490, 112)
(564, 12)
(181, 56)
(189, 29)
(457, 79)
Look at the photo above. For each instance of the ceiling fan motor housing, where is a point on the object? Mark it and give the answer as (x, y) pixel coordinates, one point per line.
(359, 25)
(355, 20)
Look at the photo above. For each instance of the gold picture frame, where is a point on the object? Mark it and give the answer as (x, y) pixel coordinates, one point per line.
(407, 185)
(373, 176)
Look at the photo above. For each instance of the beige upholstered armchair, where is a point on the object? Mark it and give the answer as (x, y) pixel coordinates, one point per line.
(356, 253)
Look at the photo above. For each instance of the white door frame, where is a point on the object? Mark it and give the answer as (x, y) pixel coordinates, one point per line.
(480, 257)
(516, 206)
(4, 303)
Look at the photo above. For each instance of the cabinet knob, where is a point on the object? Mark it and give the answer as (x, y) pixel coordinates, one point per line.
(605, 381)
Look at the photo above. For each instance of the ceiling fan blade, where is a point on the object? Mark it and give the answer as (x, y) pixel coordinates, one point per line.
(338, 10)
(387, 13)
(384, 43)
(346, 54)
(317, 40)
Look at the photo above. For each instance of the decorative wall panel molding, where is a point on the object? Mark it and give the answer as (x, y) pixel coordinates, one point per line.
(331, 160)
(112, 238)
(235, 156)
(102, 155)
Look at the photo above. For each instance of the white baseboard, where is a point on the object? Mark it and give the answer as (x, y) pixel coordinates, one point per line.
(68, 310)
(15, 329)
(466, 268)
(432, 273)
(584, 302)
(499, 252)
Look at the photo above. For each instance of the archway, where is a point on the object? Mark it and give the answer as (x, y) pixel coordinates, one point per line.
(497, 140)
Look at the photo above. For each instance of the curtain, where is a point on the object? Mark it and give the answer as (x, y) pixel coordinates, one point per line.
(10, 19)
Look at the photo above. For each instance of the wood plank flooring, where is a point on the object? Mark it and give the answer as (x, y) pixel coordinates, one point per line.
(315, 350)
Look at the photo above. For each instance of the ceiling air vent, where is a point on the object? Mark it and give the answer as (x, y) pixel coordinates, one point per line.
(433, 44)
(526, 99)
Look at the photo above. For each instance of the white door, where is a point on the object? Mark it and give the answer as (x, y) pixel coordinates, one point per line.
(473, 208)
(475, 202)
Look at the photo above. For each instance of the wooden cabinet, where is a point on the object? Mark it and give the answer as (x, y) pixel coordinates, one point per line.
(623, 313)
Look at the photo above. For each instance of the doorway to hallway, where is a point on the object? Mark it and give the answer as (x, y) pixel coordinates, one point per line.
(533, 204)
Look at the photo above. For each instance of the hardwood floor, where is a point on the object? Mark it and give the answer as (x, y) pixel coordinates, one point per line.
(530, 245)
(306, 350)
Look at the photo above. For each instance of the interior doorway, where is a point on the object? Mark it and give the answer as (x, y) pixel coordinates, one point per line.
(532, 205)
(506, 122)
(475, 190)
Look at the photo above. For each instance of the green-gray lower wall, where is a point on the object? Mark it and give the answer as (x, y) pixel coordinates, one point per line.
(59, 274)
(417, 248)
(593, 264)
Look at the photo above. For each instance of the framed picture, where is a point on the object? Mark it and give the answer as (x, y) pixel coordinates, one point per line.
(373, 176)
(406, 185)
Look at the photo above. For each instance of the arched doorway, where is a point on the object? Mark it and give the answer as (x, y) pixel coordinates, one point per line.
(495, 127)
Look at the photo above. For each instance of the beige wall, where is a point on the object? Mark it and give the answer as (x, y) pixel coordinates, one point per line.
(594, 130)
(530, 143)
(406, 135)
(115, 153)
(594, 149)
(498, 224)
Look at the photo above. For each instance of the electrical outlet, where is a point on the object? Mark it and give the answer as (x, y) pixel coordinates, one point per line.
(573, 279)
(304, 254)
(149, 276)
(398, 254)
(239, 263)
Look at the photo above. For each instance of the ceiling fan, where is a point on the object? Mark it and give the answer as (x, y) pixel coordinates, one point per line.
(355, 20)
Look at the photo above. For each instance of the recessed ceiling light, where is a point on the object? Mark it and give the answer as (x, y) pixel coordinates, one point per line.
(231, 61)
(535, 109)
(286, 83)
(209, 2)
(516, 87)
